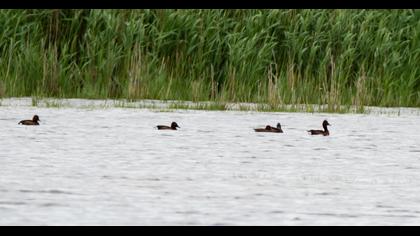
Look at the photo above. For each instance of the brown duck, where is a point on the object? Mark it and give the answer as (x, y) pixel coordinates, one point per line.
(173, 126)
(271, 129)
(34, 121)
(324, 132)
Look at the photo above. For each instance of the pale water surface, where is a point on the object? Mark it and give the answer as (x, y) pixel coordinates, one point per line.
(110, 166)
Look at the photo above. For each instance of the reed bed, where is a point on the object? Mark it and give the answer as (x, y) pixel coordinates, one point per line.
(275, 57)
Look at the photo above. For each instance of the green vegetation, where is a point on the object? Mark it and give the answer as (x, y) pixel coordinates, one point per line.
(216, 106)
(274, 57)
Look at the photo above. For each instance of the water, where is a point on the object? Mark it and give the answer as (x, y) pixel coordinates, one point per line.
(112, 167)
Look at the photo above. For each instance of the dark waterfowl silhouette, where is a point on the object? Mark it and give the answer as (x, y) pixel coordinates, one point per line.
(271, 129)
(173, 126)
(324, 132)
(34, 121)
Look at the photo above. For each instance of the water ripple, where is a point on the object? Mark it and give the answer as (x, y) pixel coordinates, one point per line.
(12, 203)
(47, 192)
(215, 170)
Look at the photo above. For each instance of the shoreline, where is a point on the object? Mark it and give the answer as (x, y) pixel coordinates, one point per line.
(172, 105)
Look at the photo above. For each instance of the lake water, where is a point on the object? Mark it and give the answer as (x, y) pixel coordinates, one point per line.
(110, 166)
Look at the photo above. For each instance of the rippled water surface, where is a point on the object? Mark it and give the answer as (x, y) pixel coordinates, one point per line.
(112, 167)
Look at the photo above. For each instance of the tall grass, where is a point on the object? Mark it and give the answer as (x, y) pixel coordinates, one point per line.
(334, 57)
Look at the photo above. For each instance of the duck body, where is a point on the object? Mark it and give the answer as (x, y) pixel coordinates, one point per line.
(324, 132)
(270, 129)
(34, 121)
(173, 126)
(319, 132)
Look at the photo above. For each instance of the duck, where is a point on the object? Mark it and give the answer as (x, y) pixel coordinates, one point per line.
(173, 126)
(324, 132)
(34, 121)
(269, 128)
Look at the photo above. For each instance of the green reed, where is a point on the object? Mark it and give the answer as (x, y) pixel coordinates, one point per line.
(276, 57)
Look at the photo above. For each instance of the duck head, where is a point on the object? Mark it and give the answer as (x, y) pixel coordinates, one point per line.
(35, 118)
(174, 125)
